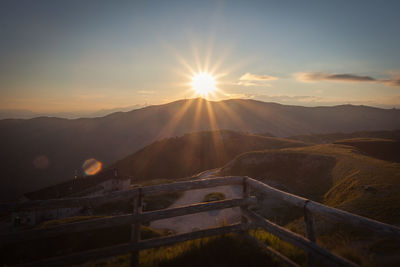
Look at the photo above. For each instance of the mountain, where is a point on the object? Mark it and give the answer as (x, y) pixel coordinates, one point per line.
(43, 151)
(192, 153)
(28, 114)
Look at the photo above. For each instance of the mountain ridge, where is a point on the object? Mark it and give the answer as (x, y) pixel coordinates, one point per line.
(67, 143)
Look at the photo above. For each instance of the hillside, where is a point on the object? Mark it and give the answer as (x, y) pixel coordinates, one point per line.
(337, 175)
(385, 149)
(192, 153)
(49, 150)
(332, 137)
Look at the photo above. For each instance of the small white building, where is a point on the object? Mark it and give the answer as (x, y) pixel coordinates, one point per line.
(103, 183)
(38, 215)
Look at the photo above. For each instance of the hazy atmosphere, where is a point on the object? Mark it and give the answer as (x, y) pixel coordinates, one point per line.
(80, 57)
(199, 133)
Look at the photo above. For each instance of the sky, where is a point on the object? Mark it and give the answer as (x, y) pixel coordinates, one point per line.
(72, 56)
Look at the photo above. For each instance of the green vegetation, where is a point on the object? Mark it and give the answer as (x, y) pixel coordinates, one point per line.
(287, 249)
(336, 175)
(67, 220)
(214, 196)
(339, 176)
(224, 250)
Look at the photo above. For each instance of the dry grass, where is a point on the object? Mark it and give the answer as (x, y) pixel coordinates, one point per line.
(224, 250)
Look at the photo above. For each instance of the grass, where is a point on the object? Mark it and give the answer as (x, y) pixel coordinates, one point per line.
(354, 181)
(224, 250)
(160, 201)
(385, 149)
(335, 175)
(211, 251)
(214, 196)
(348, 242)
(70, 243)
(287, 249)
(116, 207)
(67, 220)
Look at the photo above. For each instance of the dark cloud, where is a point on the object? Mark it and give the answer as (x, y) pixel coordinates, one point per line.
(343, 77)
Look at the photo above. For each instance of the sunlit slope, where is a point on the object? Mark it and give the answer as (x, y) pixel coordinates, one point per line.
(68, 143)
(183, 156)
(386, 149)
(337, 175)
(336, 136)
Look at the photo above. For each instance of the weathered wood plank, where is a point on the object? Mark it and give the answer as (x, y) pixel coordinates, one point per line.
(121, 220)
(195, 208)
(353, 219)
(68, 202)
(298, 240)
(126, 248)
(309, 207)
(135, 230)
(332, 213)
(264, 188)
(194, 184)
(310, 233)
(164, 241)
(68, 228)
(310, 224)
(121, 195)
(245, 195)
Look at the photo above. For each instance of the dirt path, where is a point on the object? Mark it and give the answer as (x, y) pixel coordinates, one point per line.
(201, 220)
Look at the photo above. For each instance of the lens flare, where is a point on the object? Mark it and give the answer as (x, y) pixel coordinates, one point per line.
(41, 162)
(92, 166)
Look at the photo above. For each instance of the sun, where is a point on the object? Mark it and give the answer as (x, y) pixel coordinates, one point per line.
(203, 84)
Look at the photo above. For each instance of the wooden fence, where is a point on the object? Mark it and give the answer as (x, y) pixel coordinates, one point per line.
(249, 220)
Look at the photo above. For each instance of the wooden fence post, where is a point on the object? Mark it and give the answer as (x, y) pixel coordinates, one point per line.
(310, 232)
(135, 230)
(245, 195)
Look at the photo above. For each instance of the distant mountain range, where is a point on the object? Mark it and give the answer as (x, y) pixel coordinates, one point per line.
(43, 151)
(28, 114)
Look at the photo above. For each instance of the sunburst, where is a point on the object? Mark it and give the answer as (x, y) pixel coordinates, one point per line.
(203, 84)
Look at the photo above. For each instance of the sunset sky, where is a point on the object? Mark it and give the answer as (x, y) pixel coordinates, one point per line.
(90, 55)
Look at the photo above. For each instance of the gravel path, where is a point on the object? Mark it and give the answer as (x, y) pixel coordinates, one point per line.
(188, 223)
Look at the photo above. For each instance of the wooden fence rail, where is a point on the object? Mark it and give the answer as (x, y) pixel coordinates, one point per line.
(121, 195)
(249, 219)
(329, 212)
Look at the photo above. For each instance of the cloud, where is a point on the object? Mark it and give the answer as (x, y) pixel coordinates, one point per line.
(249, 79)
(343, 77)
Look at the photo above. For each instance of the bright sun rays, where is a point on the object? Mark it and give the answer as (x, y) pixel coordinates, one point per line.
(204, 78)
(203, 84)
